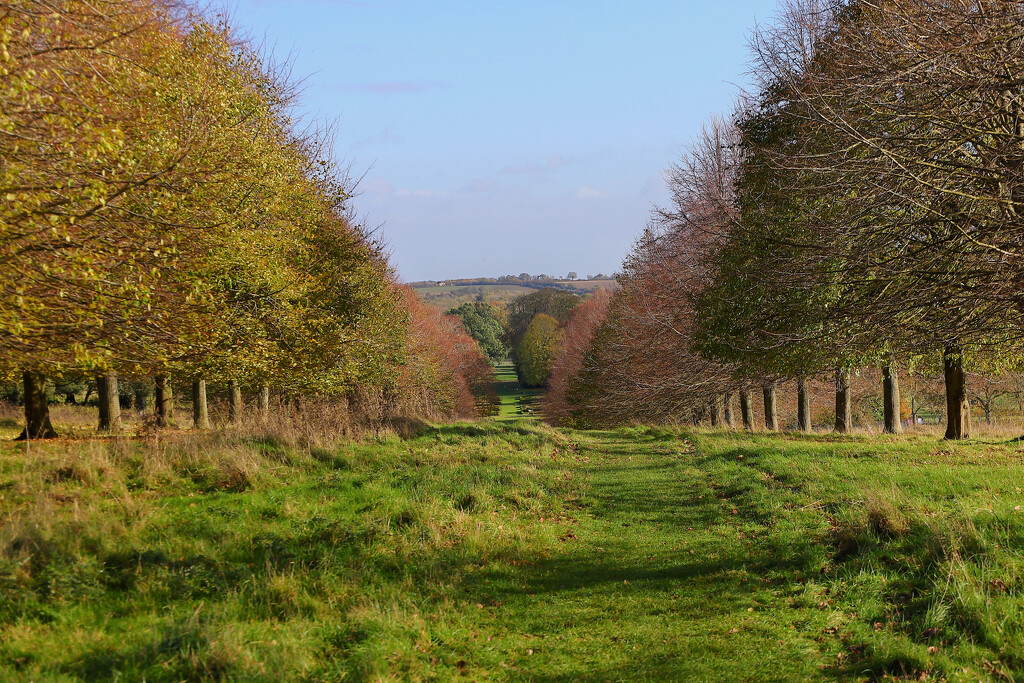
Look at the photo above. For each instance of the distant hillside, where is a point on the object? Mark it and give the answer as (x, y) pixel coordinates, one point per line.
(451, 293)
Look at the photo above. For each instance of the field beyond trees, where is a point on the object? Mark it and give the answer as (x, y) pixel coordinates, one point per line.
(495, 551)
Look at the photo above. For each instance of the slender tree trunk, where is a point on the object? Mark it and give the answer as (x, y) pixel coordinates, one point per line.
(37, 408)
(729, 419)
(200, 409)
(104, 403)
(234, 402)
(844, 409)
(958, 408)
(716, 412)
(110, 402)
(264, 402)
(164, 400)
(771, 411)
(891, 399)
(140, 400)
(803, 406)
(747, 410)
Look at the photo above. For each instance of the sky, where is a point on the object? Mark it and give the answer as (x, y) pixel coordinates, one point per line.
(496, 138)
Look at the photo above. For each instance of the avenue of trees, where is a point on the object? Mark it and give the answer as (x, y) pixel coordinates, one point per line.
(861, 208)
(166, 221)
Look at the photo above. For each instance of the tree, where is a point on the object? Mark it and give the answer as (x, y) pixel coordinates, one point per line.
(905, 122)
(445, 374)
(483, 322)
(643, 362)
(537, 350)
(576, 339)
(551, 301)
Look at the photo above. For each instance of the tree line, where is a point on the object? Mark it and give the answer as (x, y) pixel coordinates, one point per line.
(167, 218)
(861, 207)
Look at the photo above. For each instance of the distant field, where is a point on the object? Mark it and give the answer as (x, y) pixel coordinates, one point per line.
(514, 290)
(455, 295)
(450, 297)
(590, 285)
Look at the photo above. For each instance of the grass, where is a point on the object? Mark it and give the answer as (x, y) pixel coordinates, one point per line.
(509, 551)
(516, 402)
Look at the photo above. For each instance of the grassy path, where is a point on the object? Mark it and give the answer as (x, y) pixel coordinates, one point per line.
(514, 552)
(657, 578)
(517, 403)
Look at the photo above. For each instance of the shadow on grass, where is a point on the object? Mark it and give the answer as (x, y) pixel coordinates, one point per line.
(475, 430)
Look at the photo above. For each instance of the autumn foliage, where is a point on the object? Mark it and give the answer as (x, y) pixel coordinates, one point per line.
(575, 342)
(446, 374)
(166, 217)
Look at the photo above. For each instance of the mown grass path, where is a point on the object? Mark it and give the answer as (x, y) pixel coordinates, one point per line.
(659, 577)
(514, 552)
(516, 402)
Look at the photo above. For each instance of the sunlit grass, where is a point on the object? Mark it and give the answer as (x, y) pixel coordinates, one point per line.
(497, 551)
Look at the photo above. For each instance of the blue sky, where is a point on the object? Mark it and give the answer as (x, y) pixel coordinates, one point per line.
(508, 137)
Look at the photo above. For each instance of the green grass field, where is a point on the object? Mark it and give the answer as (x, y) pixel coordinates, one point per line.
(517, 402)
(510, 551)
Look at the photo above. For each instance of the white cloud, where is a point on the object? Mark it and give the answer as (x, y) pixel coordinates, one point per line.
(377, 187)
(422, 194)
(588, 193)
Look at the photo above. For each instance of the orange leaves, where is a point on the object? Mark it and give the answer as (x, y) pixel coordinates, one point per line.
(445, 367)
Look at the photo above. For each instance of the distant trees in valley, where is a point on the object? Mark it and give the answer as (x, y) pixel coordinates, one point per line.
(485, 322)
(555, 305)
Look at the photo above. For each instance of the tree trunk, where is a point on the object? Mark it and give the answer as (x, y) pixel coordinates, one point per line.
(264, 401)
(234, 402)
(844, 409)
(891, 400)
(140, 400)
(200, 410)
(37, 409)
(716, 412)
(747, 410)
(771, 412)
(958, 408)
(103, 403)
(729, 419)
(164, 400)
(110, 402)
(803, 406)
